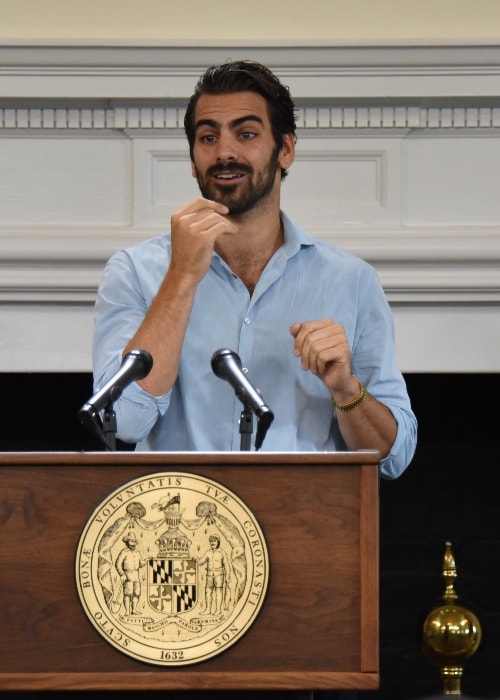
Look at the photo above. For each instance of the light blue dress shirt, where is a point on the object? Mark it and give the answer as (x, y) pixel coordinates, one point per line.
(306, 279)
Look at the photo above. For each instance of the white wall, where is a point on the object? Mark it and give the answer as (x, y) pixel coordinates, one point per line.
(398, 160)
(261, 20)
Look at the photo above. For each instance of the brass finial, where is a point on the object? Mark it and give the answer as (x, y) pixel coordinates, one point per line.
(451, 631)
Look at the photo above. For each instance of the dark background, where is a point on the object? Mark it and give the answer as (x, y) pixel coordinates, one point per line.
(449, 492)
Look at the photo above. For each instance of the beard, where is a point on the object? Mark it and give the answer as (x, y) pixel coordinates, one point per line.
(241, 197)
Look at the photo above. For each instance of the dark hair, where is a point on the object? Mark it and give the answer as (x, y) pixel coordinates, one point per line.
(245, 76)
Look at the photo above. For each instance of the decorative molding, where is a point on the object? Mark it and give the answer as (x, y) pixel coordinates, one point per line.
(311, 117)
(429, 266)
(400, 86)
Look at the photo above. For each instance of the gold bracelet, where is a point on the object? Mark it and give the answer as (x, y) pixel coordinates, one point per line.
(344, 407)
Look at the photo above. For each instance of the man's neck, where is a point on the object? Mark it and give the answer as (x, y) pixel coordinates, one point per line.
(250, 249)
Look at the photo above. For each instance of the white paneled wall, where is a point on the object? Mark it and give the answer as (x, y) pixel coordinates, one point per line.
(398, 160)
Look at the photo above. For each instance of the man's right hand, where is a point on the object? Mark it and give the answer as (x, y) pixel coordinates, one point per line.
(195, 228)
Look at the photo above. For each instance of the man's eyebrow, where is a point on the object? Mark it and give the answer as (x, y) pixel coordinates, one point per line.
(233, 125)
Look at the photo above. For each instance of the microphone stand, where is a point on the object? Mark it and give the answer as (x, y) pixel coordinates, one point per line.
(246, 427)
(105, 429)
(109, 427)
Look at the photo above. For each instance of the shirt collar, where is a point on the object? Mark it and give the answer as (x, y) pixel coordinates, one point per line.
(295, 237)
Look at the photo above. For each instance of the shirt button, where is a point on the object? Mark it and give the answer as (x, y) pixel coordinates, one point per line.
(244, 370)
(247, 321)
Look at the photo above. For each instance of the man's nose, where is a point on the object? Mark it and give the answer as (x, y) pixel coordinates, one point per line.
(226, 148)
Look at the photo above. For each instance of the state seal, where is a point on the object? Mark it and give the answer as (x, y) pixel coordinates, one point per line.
(172, 568)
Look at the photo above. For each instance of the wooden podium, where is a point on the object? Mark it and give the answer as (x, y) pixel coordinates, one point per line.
(317, 628)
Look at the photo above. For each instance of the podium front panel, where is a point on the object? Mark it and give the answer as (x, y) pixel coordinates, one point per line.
(318, 626)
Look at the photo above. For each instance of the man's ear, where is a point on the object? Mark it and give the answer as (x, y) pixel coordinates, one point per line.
(287, 152)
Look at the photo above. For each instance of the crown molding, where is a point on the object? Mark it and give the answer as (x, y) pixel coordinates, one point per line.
(438, 70)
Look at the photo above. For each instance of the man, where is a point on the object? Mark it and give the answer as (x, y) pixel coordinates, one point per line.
(310, 322)
(218, 574)
(128, 563)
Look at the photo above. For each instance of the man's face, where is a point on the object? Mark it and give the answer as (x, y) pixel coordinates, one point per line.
(236, 160)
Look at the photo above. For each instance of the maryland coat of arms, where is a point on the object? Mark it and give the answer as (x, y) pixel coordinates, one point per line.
(172, 568)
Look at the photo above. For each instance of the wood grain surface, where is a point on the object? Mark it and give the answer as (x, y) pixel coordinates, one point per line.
(318, 627)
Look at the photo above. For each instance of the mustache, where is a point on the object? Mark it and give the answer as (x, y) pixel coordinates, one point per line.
(229, 168)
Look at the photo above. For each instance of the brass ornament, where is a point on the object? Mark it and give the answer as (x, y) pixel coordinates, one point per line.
(172, 568)
(451, 632)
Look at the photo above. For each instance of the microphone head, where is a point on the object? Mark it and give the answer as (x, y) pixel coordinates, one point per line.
(223, 355)
(145, 358)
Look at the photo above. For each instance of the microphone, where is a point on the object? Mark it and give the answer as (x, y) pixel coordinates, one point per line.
(135, 365)
(226, 364)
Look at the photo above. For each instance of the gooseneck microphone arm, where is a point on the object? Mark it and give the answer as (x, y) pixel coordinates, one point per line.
(226, 364)
(135, 365)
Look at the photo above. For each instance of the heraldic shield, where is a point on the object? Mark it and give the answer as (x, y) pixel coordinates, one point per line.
(172, 585)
